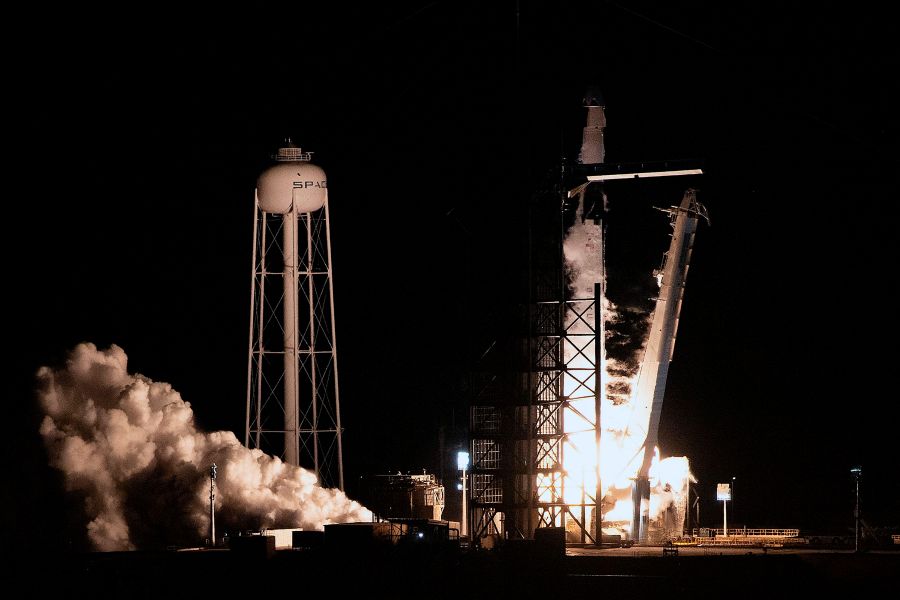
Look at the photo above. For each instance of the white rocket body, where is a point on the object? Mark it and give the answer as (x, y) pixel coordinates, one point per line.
(651, 382)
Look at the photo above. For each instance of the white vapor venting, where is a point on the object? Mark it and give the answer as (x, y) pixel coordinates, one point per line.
(129, 447)
(583, 251)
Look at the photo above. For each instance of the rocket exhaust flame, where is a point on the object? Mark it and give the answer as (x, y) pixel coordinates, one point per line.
(129, 446)
(623, 430)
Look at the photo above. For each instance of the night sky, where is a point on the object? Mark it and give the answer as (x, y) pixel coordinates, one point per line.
(129, 219)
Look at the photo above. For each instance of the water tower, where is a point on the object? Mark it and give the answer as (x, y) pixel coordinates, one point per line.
(293, 405)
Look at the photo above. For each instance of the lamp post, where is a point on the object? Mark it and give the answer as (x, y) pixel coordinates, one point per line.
(857, 472)
(723, 493)
(213, 471)
(725, 517)
(462, 463)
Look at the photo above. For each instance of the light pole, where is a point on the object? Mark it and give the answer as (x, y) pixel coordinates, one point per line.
(725, 517)
(857, 472)
(213, 470)
(723, 493)
(462, 463)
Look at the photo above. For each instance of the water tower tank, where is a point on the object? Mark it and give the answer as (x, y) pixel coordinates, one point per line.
(293, 181)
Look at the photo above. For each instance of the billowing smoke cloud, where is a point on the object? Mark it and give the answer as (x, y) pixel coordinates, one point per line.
(670, 479)
(129, 447)
(626, 334)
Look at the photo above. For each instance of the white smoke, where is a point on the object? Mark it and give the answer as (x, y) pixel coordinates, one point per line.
(670, 480)
(129, 446)
(582, 248)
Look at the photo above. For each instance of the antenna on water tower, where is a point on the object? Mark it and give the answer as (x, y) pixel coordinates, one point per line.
(293, 405)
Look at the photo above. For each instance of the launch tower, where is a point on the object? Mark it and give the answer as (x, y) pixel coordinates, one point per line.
(528, 414)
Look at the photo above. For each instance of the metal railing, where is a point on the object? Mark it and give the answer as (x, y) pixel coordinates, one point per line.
(745, 532)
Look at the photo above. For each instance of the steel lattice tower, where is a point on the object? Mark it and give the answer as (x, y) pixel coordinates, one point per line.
(293, 402)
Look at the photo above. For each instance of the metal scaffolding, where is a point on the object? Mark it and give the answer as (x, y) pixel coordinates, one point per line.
(523, 410)
(533, 396)
(519, 401)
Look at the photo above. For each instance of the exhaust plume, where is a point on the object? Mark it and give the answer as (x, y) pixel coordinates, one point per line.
(129, 446)
(624, 431)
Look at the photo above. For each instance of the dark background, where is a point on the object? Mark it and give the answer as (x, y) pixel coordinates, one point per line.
(128, 218)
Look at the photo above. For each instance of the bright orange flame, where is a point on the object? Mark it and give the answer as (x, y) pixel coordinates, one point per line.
(624, 430)
(624, 424)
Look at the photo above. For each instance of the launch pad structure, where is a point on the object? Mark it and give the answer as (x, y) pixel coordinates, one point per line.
(528, 385)
(550, 371)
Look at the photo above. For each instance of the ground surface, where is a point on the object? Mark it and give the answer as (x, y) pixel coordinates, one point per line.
(519, 571)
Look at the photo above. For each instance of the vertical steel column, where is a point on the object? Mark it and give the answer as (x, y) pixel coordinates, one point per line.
(334, 366)
(530, 473)
(599, 345)
(561, 339)
(252, 308)
(259, 329)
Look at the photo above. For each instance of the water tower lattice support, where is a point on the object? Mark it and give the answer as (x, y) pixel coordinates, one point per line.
(293, 402)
